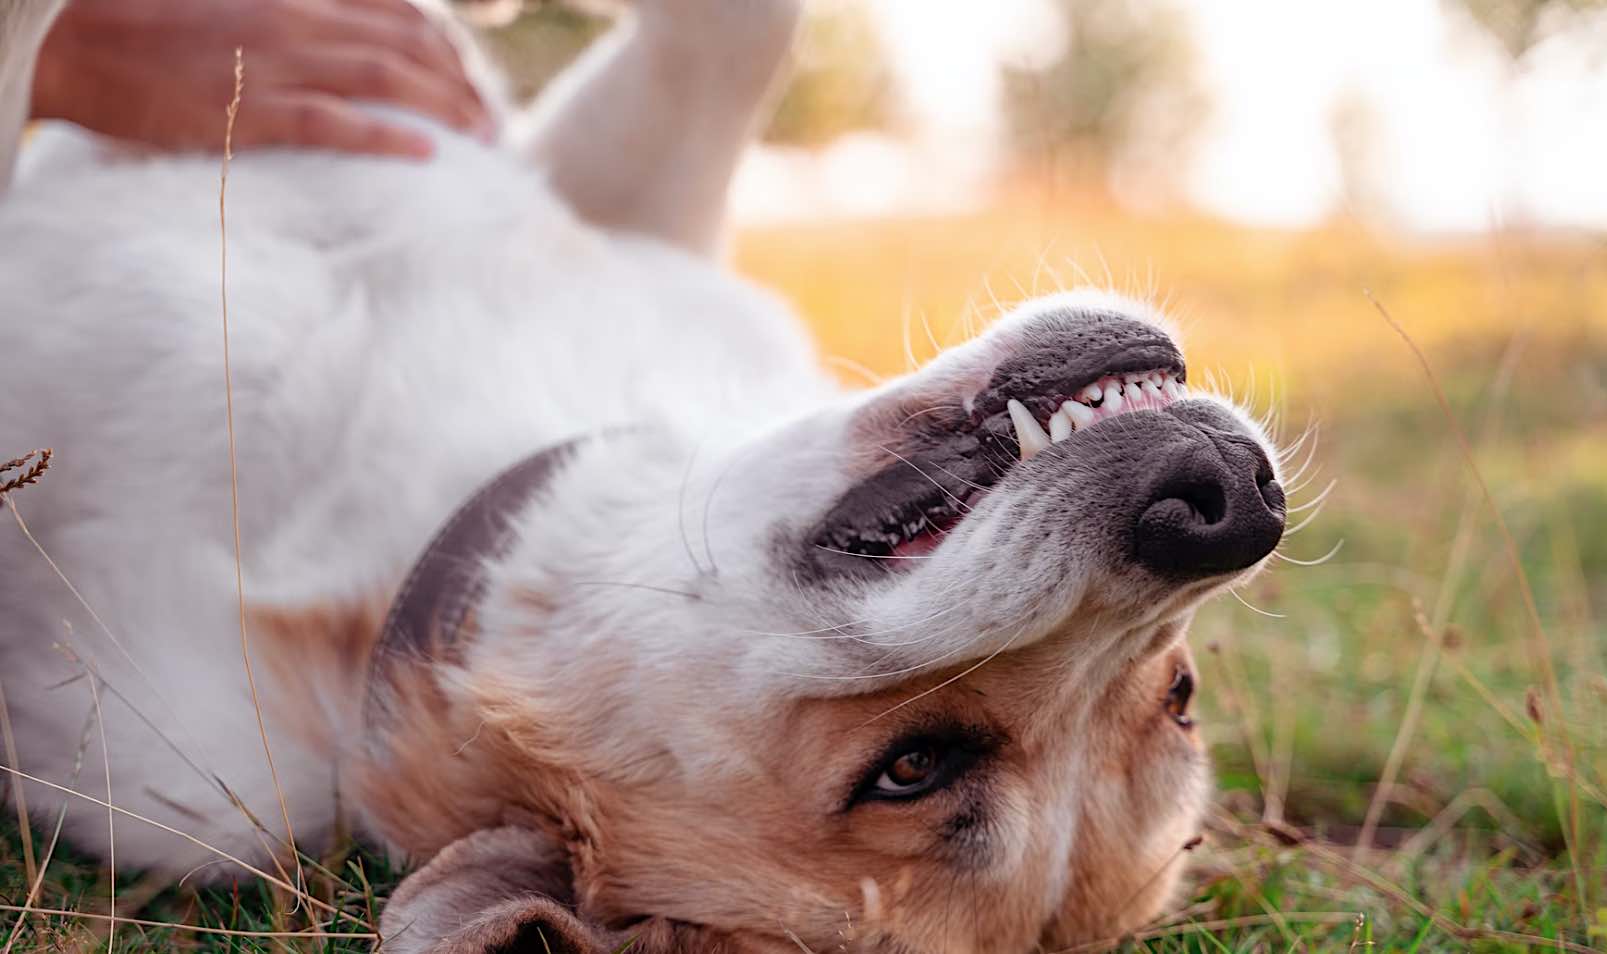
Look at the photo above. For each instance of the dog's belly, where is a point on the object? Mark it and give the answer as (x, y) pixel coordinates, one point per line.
(398, 333)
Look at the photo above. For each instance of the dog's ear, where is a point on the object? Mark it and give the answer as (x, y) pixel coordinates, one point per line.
(499, 891)
(508, 891)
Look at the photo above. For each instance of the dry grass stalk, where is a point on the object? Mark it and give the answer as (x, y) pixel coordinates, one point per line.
(195, 928)
(231, 113)
(212, 849)
(22, 803)
(30, 466)
(1438, 630)
(1539, 644)
(36, 884)
(111, 817)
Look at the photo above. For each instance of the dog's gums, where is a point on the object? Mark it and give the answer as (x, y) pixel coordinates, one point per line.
(690, 650)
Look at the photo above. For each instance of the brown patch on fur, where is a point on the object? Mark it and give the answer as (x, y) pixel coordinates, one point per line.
(1086, 804)
(423, 780)
(773, 847)
(316, 658)
(443, 765)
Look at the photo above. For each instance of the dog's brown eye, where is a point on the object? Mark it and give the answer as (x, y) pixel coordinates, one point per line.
(1178, 695)
(909, 772)
(922, 763)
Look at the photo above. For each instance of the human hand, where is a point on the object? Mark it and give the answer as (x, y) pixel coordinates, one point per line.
(161, 72)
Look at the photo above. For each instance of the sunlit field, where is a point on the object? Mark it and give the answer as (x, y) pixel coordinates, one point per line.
(1401, 688)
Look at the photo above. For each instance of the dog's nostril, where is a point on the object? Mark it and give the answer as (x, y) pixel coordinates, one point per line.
(1272, 494)
(1205, 501)
(1212, 514)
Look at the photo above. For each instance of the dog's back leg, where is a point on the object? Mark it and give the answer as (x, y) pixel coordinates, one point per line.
(23, 25)
(644, 133)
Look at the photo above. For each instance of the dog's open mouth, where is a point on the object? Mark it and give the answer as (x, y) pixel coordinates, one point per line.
(905, 511)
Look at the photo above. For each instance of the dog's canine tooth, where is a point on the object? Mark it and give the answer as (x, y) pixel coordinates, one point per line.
(1060, 426)
(1081, 415)
(1029, 434)
(1113, 398)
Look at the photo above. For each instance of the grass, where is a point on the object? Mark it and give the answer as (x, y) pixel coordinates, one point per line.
(1414, 639)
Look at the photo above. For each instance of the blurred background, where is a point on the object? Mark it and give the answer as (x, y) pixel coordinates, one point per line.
(1412, 729)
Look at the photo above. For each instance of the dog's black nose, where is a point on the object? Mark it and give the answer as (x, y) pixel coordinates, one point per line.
(1215, 509)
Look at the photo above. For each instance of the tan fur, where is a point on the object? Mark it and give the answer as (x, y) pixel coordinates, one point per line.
(315, 662)
(748, 856)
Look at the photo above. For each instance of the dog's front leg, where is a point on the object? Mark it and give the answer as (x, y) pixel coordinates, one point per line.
(644, 133)
(23, 25)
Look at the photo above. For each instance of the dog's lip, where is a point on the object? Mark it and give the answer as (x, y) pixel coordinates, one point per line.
(1042, 384)
(1104, 399)
(898, 516)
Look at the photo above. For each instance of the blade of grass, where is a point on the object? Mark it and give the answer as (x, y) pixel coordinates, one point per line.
(1538, 643)
(279, 882)
(195, 928)
(22, 801)
(1428, 659)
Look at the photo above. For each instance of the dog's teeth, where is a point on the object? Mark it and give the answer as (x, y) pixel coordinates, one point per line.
(1174, 389)
(1081, 415)
(1029, 434)
(1132, 380)
(1060, 425)
(1090, 394)
(1150, 388)
(1113, 398)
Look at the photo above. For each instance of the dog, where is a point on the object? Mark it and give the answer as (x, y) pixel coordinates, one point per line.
(562, 564)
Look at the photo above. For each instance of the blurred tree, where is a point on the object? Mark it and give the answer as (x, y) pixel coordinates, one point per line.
(1520, 24)
(541, 40)
(840, 81)
(1126, 72)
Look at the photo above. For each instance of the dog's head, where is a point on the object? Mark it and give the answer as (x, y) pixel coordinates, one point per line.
(906, 674)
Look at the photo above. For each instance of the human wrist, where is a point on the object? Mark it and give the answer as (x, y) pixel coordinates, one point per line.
(47, 97)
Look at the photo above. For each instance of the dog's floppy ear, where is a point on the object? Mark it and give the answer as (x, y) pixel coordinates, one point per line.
(498, 891)
(508, 891)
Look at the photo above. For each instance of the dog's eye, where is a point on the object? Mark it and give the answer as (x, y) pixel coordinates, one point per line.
(920, 764)
(1178, 695)
(910, 772)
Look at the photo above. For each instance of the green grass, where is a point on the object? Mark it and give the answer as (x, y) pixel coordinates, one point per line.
(1302, 711)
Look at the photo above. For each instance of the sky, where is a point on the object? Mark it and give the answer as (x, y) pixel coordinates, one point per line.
(1459, 137)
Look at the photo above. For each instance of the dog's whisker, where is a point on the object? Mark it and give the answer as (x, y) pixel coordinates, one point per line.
(1334, 551)
(952, 679)
(1318, 499)
(680, 510)
(958, 503)
(667, 590)
(875, 556)
(1234, 592)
